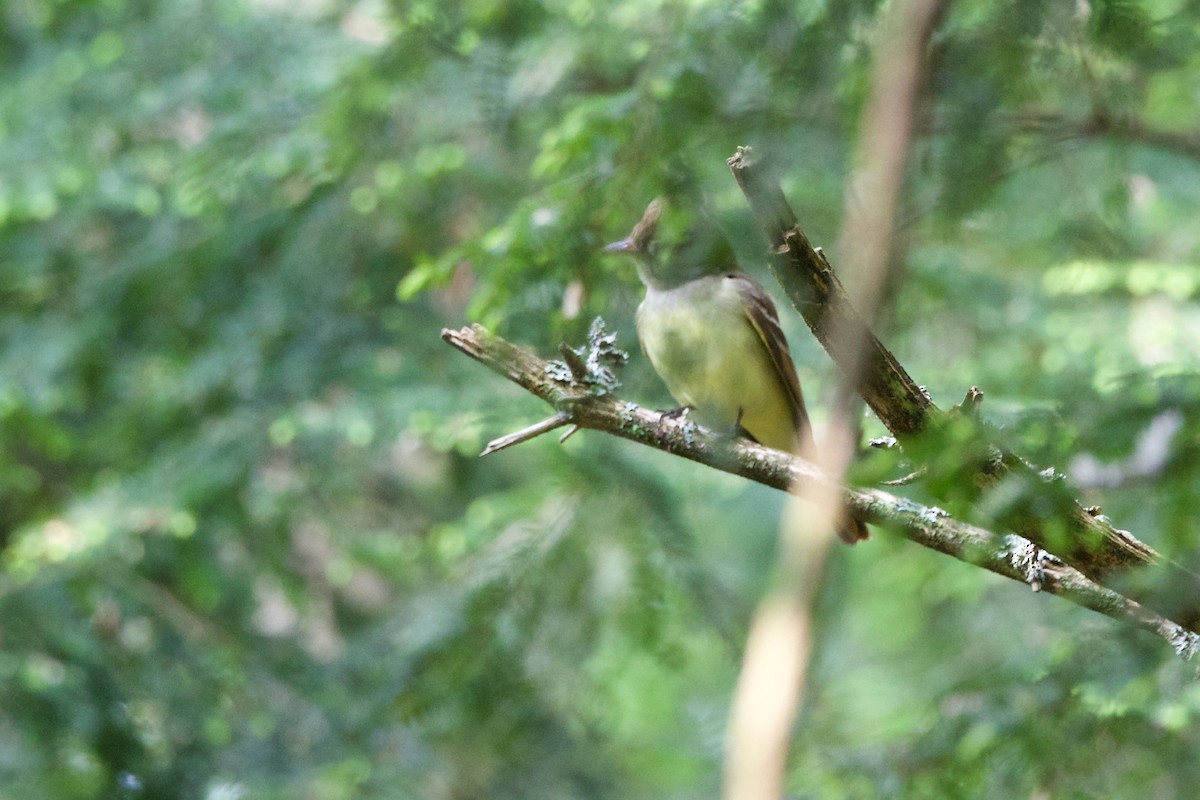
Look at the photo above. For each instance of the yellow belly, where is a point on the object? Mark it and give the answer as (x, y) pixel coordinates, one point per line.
(702, 344)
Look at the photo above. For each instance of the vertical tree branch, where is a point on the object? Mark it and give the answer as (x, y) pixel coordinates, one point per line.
(775, 668)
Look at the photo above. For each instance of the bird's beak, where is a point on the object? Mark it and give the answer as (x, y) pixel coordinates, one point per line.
(623, 246)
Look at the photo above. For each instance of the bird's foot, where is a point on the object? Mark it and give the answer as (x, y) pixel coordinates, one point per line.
(678, 413)
(736, 429)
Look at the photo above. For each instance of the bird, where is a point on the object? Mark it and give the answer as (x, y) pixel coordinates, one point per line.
(712, 334)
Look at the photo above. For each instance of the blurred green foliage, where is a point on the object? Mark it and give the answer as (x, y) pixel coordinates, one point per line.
(248, 550)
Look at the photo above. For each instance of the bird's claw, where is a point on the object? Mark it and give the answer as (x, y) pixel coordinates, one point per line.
(678, 413)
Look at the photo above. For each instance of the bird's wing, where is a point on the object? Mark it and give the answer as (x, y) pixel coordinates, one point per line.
(760, 310)
(761, 313)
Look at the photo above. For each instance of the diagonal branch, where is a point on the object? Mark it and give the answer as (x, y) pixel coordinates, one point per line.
(818, 295)
(1010, 556)
(1091, 544)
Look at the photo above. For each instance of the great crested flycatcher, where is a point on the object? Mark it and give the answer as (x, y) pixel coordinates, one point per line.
(712, 334)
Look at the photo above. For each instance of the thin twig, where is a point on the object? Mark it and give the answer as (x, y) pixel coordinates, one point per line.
(525, 434)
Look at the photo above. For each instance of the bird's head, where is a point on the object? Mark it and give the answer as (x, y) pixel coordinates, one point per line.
(640, 241)
(673, 243)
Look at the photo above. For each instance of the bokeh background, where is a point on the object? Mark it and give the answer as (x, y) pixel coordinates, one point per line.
(249, 550)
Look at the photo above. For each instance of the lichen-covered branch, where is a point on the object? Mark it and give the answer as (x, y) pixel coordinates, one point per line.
(1010, 556)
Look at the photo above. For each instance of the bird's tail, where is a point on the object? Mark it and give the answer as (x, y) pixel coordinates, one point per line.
(852, 530)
